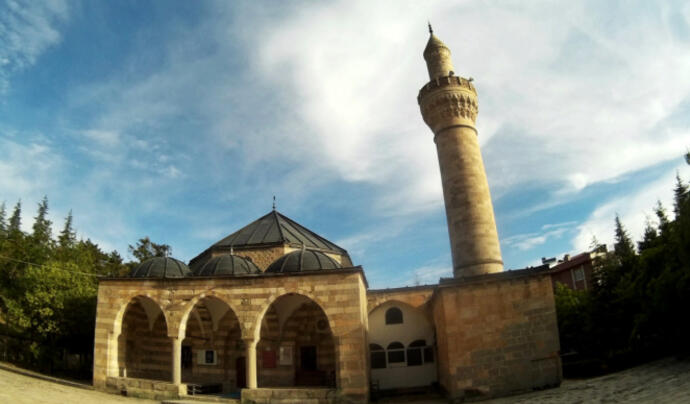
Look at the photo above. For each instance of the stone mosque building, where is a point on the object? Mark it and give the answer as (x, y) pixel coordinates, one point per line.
(274, 308)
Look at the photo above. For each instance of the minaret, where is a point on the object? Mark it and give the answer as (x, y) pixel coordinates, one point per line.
(449, 107)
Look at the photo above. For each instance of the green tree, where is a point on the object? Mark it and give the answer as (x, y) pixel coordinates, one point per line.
(15, 220)
(3, 221)
(67, 237)
(41, 241)
(649, 237)
(623, 245)
(680, 193)
(146, 249)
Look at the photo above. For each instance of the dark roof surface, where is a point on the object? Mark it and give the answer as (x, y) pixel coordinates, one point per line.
(572, 262)
(275, 228)
(303, 261)
(161, 267)
(227, 265)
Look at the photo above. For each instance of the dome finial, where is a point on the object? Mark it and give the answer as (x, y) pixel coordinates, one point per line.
(431, 30)
(274, 202)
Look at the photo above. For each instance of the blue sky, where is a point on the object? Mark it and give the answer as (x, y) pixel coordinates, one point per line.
(180, 120)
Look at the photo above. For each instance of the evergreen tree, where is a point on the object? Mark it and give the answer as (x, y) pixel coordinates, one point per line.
(15, 220)
(623, 245)
(649, 237)
(680, 193)
(3, 221)
(41, 238)
(67, 237)
(41, 228)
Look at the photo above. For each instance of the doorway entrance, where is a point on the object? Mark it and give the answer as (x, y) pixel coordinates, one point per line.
(241, 372)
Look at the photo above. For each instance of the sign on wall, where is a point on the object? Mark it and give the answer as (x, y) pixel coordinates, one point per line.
(286, 354)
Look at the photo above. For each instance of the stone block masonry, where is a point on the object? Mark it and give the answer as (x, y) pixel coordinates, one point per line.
(339, 293)
(497, 334)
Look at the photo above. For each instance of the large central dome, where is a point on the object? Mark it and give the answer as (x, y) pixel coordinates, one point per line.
(268, 238)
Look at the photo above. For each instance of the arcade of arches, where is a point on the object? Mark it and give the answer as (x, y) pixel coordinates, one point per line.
(262, 320)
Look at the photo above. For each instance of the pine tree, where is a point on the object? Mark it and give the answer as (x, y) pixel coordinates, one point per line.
(67, 236)
(3, 221)
(680, 193)
(41, 228)
(41, 241)
(623, 246)
(15, 220)
(649, 238)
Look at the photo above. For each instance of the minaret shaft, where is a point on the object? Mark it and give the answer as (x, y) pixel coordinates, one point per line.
(449, 106)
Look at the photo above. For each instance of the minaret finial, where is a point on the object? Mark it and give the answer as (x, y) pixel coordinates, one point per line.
(274, 202)
(431, 30)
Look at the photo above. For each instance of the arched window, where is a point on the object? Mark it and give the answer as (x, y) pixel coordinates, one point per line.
(396, 352)
(394, 316)
(414, 353)
(378, 356)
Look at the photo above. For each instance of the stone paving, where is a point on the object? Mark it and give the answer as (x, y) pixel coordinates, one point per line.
(665, 381)
(20, 389)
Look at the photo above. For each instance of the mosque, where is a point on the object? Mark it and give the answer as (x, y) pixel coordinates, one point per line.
(276, 313)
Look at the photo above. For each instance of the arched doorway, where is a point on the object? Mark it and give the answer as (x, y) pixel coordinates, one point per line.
(212, 347)
(144, 349)
(297, 347)
(401, 347)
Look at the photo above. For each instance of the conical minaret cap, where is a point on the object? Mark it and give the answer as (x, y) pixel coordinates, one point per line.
(437, 57)
(433, 45)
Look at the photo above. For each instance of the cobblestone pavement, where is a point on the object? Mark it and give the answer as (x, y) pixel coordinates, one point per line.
(665, 381)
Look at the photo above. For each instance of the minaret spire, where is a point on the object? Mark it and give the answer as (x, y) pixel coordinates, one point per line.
(449, 107)
(431, 30)
(437, 56)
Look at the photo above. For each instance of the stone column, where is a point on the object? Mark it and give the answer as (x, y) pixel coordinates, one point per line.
(250, 348)
(176, 360)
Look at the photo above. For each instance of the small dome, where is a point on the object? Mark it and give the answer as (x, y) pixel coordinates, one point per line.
(302, 261)
(161, 267)
(227, 265)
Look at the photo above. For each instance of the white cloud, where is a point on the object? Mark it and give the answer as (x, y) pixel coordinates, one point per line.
(27, 29)
(103, 137)
(633, 209)
(587, 99)
(26, 170)
(527, 241)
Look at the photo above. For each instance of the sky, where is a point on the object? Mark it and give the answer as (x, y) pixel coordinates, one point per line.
(181, 120)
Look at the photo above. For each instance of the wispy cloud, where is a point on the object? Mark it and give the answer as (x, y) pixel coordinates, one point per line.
(634, 210)
(27, 29)
(527, 241)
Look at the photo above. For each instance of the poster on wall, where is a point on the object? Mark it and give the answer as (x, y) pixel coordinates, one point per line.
(269, 359)
(285, 356)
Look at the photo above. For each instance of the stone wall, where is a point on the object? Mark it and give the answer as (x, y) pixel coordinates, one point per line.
(415, 296)
(497, 334)
(301, 329)
(144, 348)
(223, 337)
(340, 293)
(262, 257)
(301, 396)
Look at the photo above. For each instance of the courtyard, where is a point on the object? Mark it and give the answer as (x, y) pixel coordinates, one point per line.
(664, 381)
